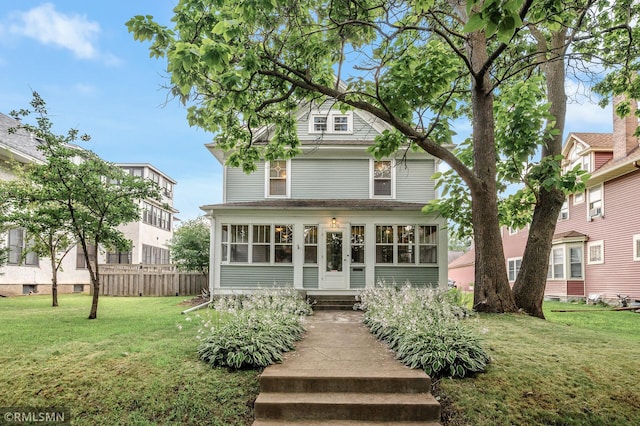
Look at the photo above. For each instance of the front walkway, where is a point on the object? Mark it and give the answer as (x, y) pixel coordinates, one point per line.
(340, 374)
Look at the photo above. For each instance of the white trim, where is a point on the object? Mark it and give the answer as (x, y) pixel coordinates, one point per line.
(372, 163)
(331, 116)
(599, 243)
(575, 199)
(595, 213)
(551, 264)
(636, 249)
(267, 180)
(516, 269)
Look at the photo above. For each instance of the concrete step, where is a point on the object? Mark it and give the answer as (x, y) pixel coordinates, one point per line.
(354, 407)
(314, 381)
(333, 303)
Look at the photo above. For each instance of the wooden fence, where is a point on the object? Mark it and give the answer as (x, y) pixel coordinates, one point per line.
(149, 280)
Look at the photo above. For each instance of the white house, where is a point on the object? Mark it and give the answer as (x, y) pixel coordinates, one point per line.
(27, 273)
(332, 220)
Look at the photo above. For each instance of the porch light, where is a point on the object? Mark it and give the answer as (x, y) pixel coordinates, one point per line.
(333, 222)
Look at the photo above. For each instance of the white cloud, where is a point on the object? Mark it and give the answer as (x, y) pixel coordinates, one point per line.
(48, 26)
(84, 89)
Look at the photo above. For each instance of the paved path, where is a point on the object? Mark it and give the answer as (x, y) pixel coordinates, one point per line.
(341, 370)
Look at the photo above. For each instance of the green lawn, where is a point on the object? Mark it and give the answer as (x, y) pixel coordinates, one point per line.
(133, 365)
(573, 369)
(130, 366)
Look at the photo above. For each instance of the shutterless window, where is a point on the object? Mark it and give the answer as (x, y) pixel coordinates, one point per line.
(15, 243)
(575, 262)
(636, 247)
(564, 211)
(311, 244)
(406, 244)
(81, 262)
(556, 264)
(514, 268)
(596, 252)
(261, 243)
(239, 244)
(340, 123)
(382, 178)
(278, 178)
(320, 123)
(283, 243)
(384, 244)
(595, 201)
(428, 243)
(357, 244)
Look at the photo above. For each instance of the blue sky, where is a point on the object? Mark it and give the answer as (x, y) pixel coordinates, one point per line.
(94, 77)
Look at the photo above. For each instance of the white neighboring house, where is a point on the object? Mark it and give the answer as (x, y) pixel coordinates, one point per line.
(332, 220)
(30, 274)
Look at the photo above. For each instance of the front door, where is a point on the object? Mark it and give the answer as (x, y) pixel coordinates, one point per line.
(334, 262)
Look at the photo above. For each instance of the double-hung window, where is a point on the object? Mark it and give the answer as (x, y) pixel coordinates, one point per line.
(311, 244)
(277, 178)
(556, 264)
(331, 122)
(595, 201)
(514, 268)
(261, 243)
(595, 250)
(575, 262)
(564, 211)
(19, 247)
(382, 179)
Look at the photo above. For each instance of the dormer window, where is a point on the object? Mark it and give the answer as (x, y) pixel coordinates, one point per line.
(331, 122)
(277, 182)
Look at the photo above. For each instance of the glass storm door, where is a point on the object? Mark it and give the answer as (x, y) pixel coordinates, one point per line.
(334, 259)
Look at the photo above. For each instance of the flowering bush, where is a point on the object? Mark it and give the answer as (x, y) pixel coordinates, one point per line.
(424, 327)
(256, 330)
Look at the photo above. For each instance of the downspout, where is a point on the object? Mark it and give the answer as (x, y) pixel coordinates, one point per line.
(211, 264)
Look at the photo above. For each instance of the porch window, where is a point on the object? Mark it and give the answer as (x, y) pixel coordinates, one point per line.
(636, 247)
(514, 267)
(284, 244)
(224, 239)
(311, 244)
(382, 178)
(575, 262)
(357, 244)
(384, 244)
(556, 264)
(277, 178)
(400, 244)
(406, 243)
(428, 244)
(239, 244)
(261, 243)
(595, 201)
(596, 252)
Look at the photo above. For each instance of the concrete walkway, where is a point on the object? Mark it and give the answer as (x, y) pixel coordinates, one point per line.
(340, 374)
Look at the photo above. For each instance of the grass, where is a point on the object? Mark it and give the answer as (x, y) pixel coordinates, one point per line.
(133, 366)
(130, 366)
(573, 369)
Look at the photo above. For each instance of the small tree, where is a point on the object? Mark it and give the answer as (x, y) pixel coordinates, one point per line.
(91, 196)
(190, 246)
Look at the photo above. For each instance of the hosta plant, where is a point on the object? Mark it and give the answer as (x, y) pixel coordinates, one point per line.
(255, 330)
(425, 328)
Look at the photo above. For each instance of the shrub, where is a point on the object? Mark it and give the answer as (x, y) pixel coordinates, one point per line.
(424, 328)
(256, 330)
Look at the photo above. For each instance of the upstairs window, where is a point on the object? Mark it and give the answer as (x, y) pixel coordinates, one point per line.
(564, 211)
(382, 179)
(578, 198)
(331, 122)
(595, 201)
(277, 178)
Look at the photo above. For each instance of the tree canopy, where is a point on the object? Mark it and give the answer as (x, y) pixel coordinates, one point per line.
(77, 192)
(189, 246)
(419, 66)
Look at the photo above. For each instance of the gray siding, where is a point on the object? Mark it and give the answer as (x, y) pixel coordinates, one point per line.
(417, 276)
(243, 187)
(330, 178)
(247, 276)
(362, 131)
(413, 181)
(310, 277)
(357, 277)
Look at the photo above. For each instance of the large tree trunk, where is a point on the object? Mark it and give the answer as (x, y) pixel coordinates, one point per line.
(491, 288)
(528, 290)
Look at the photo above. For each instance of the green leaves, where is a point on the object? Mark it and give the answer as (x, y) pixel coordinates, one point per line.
(189, 246)
(494, 16)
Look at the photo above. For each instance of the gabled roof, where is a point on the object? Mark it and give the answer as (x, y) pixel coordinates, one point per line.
(20, 145)
(311, 204)
(569, 236)
(595, 140)
(467, 259)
